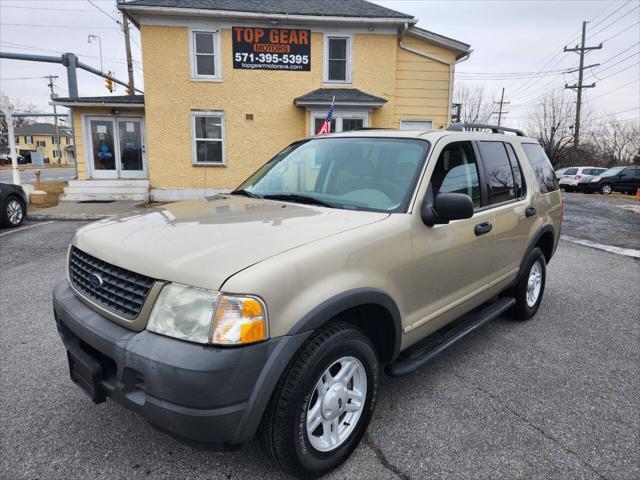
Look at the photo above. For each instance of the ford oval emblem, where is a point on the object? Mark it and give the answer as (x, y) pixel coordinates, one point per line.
(96, 280)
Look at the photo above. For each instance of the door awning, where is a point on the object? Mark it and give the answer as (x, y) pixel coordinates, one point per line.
(345, 97)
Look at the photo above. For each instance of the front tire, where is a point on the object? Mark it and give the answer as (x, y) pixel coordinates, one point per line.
(13, 211)
(529, 289)
(323, 404)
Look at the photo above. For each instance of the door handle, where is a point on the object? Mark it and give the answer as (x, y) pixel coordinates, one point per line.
(482, 228)
(530, 212)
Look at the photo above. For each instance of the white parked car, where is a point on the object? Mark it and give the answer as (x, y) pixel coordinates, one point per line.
(570, 177)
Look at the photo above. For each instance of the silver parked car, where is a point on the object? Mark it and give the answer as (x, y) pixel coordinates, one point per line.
(571, 176)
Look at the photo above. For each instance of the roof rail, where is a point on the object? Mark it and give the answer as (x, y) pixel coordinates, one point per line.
(461, 127)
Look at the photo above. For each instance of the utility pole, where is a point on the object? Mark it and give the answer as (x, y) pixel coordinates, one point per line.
(501, 103)
(7, 109)
(127, 44)
(55, 118)
(580, 86)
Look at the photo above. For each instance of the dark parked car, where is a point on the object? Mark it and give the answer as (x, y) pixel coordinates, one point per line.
(617, 179)
(14, 205)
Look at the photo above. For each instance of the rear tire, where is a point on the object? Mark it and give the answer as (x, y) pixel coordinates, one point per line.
(529, 289)
(606, 189)
(313, 395)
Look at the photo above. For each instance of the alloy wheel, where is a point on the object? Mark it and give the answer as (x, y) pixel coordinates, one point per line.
(14, 212)
(336, 404)
(534, 284)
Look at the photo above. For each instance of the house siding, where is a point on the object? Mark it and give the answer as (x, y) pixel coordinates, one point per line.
(170, 96)
(422, 86)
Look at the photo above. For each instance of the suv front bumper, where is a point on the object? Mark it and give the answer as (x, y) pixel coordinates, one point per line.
(195, 392)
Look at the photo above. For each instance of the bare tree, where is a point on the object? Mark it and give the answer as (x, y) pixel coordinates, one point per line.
(18, 106)
(551, 121)
(477, 105)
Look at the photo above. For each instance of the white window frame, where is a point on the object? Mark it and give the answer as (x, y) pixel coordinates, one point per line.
(41, 143)
(325, 56)
(421, 120)
(57, 154)
(28, 139)
(217, 63)
(339, 115)
(194, 150)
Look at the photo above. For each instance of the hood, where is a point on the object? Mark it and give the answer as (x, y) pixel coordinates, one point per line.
(203, 242)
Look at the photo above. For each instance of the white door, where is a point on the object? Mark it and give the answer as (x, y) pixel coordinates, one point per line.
(131, 148)
(116, 147)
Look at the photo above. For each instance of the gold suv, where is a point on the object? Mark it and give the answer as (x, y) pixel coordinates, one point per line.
(272, 309)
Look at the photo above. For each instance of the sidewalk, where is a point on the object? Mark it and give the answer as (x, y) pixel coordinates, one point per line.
(84, 211)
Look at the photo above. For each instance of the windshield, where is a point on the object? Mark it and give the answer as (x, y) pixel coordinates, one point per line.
(612, 172)
(377, 174)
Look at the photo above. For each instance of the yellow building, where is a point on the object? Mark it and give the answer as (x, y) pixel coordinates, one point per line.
(42, 138)
(230, 83)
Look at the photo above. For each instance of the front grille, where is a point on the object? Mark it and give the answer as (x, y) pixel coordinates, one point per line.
(122, 292)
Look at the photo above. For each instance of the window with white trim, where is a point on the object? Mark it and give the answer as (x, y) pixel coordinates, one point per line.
(341, 121)
(41, 143)
(205, 55)
(337, 58)
(54, 140)
(208, 138)
(28, 139)
(416, 124)
(56, 154)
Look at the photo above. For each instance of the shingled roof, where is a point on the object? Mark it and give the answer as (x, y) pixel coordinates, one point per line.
(344, 96)
(41, 129)
(332, 8)
(108, 100)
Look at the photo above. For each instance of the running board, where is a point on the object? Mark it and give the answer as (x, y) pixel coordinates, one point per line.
(436, 343)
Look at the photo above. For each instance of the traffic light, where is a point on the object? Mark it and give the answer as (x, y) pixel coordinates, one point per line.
(109, 82)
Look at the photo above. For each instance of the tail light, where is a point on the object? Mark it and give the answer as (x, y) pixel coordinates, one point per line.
(578, 177)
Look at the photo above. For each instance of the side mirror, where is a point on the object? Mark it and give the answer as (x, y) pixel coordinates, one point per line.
(447, 207)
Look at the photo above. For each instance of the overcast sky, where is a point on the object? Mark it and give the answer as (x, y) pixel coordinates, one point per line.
(516, 44)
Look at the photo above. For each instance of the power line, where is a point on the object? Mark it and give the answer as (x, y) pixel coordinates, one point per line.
(610, 15)
(620, 32)
(105, 13)
(56, 26)
(47, 8)
(620, 71)
(596, 72)
(615, 89)
(624, 15)
(616, 113)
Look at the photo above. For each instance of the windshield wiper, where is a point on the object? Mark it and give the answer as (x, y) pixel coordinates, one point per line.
(298, 198)
(245, 193)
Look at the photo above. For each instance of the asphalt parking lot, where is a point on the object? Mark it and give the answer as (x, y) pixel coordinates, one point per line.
(602, 219)
(553, 398)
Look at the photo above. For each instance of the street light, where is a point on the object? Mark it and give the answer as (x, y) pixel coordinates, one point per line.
(96, 37)
(7, 109)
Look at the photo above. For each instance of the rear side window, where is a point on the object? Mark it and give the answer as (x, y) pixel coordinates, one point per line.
(498, 173)
(541, 167)
(457, 172)
(518, 178)
(568, 171)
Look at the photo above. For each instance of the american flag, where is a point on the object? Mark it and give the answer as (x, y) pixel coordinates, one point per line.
(326, 124)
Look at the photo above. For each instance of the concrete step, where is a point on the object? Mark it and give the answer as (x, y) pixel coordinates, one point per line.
(121, 190)
(105, 189)
(123, 197)
(109, 183)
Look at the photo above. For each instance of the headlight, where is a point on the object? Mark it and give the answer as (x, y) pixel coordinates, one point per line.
(596, 179)
(206, 316)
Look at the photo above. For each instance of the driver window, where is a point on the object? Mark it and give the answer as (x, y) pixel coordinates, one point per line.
(457, 172)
